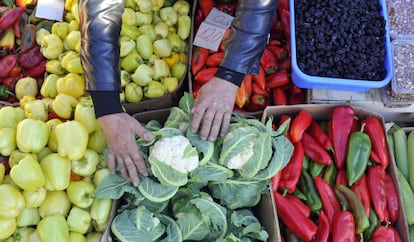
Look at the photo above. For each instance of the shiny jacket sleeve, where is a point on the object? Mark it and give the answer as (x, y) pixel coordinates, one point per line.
(100, 22)
(250, 29)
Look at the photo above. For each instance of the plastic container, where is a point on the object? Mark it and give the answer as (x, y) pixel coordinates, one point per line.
(304, 80)
(403, 64)
(401, 18)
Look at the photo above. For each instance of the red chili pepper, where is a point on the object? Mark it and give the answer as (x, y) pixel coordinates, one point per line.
(275, 181)
(7, 64)
(377, 192)
(340, 130)
(343, 228)
(256, 89)
(36, 71)
(257, 102)
(393, 207)
(315, 151)
(374, 157)
(279, 52)
(277, 79)
(301, 225)
(205, 75)
(268, 61)
(299, 124)
(279, 97)
(260, 78)
(341, 178)
(28, 37)
(30, 58)
(291, 172)
(301, 206)
(199, 59)
(330, 203)
(375, 131)
(319, 135)
(214, 59)
(323, 228)
(385, 233)
(206, 6)
(361, 190)
(10, 17)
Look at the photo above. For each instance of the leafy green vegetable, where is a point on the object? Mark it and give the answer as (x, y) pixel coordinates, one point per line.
(155, 191)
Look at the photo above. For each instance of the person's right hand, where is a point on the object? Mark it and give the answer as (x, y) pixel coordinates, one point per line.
(120, 130)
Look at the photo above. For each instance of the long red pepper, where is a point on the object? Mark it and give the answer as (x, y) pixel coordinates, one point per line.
(214, 59)
(301, 225)
(300, 123)
(198, 59)
(376, 189)
(330, 203)
(10, 17)
(302, 207)
(341, 178)
(340, 129)
(385, 233)
(323, 228)
(315, 151)
(343, 229)
(319, 135)
(393, 207)
(361, 190)
(291, 172)
(375, 131)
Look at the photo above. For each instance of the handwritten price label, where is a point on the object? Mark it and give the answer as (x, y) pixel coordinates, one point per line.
(212, 29)
(50, 9)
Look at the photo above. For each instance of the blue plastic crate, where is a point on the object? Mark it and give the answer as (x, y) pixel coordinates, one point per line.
(304, 80)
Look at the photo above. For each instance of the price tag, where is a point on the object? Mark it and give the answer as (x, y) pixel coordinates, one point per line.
(50, 9)
(212, 29)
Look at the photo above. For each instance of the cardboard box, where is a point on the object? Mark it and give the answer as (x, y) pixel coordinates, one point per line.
(322, 112)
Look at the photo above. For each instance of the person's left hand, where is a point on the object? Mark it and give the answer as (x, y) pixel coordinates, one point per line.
(213, 107)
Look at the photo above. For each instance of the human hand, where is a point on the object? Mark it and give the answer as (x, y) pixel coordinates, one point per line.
(213, 107)
(119, 130)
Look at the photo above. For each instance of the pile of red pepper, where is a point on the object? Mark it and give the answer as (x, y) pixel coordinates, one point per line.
(336, 186)
(273, 84)
(20, 55)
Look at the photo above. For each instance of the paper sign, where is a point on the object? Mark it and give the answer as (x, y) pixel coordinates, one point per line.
(50, 9)
(212, 29)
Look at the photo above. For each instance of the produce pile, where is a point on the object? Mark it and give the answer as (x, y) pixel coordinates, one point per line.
(273, 84)
(198, 190)
(337, 185)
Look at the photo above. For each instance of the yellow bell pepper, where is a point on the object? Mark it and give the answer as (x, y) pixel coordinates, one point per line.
(55, 67)
(25, 100)
(131, 62)
(182, 7)
(68, 4)
(178, 70)
(170, 83)
(86, 166)
(56, 170)
(48, 88)
(171, 60)
(47, 101)
(28, 217)
(85, 114)
(94, 236)
(169, 15)
(76, 237)
(129, 31)
(51, 46)
(36, 109)
(48, 207)
(74, 25)
(161, 69)
(154, 89)
(52, 143)
(44, 152)
(81, 193)
(127, 45)
(144, 46)
(16, 156)
(28, 174)
(73, 37)
(53, 228)
(7, 141)
(33, 199)
(133, 93)
(24, 234)
(161, 30)
(40, 33)
(60, 29)
(142, 75)
(9, 117)
(75, 66)
(7, 227)
(79, 220)
(31, 135)
(2, 172)
(97, 140)
(72, 84)
(100, 210)
(175, 41)
(26, 86)
(100, 175)
(63, 105)
(162, 47)
(11, 201)
(72, 139)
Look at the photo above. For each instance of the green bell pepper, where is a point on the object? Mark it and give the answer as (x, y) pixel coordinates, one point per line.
(40, 33)
(51, 46)
(97, 140)
(79, 220)
(53, 228)
(178, 70)
(184, 26)
(16, 156)
(86, 166)
(157, 4)
(72, 139)
(359, 148)
(52, 143)
(81, 193)
(56, 170)
(7, 141)
(11, 201)
(125, 78)
(131, 62)
(144, 6)
(307, 186)
(133, 92)
(100, 211)
(148, 29)
(28, 174)
(169, 15)
(76, 237)
(48, 207)
(154, 89)
(33, 199)
(162, 48)
(143, 18)
(129, 17)
(127, 45)
(161, 30)
(182, 7)
(160, 69)
(142, 75)
(175, 41)
(7, 227)
(144, 46)
(31, 135)
(99, 175)
(28, 217)
(129, 31)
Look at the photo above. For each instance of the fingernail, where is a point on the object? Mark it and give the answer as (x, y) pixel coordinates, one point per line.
(148, 136)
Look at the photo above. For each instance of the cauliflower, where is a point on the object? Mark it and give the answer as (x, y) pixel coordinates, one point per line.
(238, 160)
(176, 152)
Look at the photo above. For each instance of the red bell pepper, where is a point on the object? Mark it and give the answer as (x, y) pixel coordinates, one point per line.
(290, 174)
(28, 37)
(10, 82)
(323, 228)
(377, 190)
(375, 131)
(330, 203)
(277, 79)
(361, 190)
(268, 61)
(320, 135)
(260, 78)
(36, 71)
(256, 89)
(7, 64)
(315, 151)
(205, 75)
(279, 96)
(340, 129)
(343, 228)
(214, 59)
(393, 206)
(199, 59)
(341, 178)
(374, 157)
(30, 58)
(10, 17)
(301, 225)
(299, 124)
(385, 233)
(257, 102)
(301, 206)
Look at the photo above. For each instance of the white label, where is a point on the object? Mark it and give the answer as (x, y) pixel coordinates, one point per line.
(50, 9)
